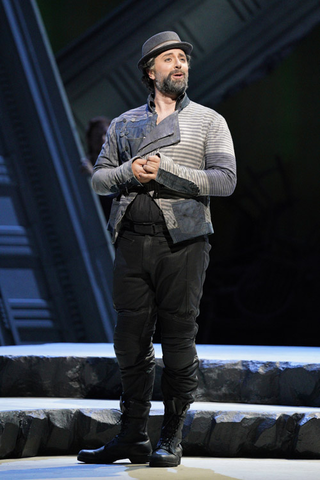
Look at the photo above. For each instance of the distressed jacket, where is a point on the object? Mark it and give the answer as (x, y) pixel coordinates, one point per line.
(196, 161)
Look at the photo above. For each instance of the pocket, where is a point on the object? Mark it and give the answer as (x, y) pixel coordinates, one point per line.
(190, 216)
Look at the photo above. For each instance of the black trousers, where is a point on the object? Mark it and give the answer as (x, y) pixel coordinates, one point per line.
(155, 280)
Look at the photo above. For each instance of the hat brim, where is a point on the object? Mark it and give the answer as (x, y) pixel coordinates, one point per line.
(186, 47)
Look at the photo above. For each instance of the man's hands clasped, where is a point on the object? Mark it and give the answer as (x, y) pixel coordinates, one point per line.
(146, 169)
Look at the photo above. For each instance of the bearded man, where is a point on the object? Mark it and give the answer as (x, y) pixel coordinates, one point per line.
(163, 160)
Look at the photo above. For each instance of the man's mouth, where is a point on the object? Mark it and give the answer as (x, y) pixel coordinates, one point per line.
(178, 75)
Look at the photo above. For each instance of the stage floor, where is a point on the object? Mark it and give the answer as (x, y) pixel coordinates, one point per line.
(29, 404)
(191, 468)
(209, 352)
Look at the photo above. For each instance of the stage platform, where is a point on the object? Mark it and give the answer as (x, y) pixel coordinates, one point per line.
(233, 374)
(53, 426)
(251, 401)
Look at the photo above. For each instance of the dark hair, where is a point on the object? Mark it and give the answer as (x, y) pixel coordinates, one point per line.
(95, 122)
(146, 80)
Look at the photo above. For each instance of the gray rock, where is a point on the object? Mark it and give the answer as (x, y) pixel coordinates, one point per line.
(9, 433)
(209, 430)
(308, 439)
(268, 383)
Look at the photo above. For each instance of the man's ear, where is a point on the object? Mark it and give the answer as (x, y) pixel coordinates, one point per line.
(151, 74)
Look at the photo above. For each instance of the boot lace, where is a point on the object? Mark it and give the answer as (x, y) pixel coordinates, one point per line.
(169, 431)
(124, 423)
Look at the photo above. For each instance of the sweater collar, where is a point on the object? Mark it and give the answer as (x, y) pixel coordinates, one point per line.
(182, 101)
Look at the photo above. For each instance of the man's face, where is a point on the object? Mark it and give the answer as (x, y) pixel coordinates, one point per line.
(170, 72)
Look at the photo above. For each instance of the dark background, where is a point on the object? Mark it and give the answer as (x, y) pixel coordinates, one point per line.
(263, 282)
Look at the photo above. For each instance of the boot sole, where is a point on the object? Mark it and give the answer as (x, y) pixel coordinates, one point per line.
(97, 461)
(164, 462)
(138, 453)
(139, 459)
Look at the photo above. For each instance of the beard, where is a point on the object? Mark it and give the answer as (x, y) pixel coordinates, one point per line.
(175, 87)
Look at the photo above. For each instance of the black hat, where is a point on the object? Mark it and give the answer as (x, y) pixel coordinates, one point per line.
(160, 43)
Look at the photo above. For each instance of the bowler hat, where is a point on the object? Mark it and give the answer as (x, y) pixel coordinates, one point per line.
(160, 43)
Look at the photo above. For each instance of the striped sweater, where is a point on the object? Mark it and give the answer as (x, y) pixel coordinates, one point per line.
(196, 161)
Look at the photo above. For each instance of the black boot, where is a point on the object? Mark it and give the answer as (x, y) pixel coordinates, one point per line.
(132, 442)
(168, 452)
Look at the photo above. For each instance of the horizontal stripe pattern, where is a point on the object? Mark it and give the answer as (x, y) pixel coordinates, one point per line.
(202, 164)
(204, 157)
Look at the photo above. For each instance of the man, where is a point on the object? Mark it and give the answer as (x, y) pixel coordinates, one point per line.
(164, 160)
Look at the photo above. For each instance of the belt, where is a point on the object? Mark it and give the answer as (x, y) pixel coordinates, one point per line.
(144, 228)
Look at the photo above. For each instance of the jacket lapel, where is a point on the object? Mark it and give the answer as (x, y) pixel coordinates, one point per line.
(164, 134)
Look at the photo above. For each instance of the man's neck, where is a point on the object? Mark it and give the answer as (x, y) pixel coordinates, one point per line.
(165, 105)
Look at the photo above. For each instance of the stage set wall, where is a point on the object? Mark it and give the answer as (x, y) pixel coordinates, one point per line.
(262, 285)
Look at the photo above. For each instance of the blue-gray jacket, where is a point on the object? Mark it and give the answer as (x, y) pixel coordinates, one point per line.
(196, 161)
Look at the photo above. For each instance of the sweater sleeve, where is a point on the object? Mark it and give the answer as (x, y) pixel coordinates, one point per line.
(218, 178)
(109, 176)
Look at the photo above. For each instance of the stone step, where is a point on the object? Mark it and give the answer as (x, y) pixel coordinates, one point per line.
(54, 426)
(235, 374)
